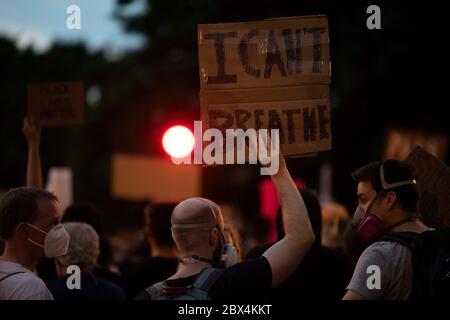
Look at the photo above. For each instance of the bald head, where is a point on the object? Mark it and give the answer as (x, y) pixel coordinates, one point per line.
(192, 222)
(194, 213)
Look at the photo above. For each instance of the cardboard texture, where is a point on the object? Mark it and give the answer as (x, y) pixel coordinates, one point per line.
(271, 53)
(271, 74)
(400, 142)
(433, 182)
(56, 103)
(139, 178)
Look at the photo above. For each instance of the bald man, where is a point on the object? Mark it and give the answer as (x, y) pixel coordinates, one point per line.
(206, 269)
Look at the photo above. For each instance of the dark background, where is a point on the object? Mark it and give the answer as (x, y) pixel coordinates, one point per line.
(393, 77)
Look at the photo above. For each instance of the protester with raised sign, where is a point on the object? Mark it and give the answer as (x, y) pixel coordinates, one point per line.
(323, 274)
(208, 268)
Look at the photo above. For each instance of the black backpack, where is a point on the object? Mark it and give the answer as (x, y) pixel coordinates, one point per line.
(430, 261)
(197, 291)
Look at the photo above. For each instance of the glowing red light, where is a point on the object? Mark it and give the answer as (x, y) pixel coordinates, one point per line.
(178, 141)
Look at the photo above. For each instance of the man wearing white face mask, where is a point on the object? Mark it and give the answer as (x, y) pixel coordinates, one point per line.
(30, 226)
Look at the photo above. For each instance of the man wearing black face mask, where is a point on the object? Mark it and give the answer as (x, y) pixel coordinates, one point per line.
(387, 203)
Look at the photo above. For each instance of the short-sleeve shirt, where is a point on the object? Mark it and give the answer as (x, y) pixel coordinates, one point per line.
(250, 279)
(394, 262)
(21, 286)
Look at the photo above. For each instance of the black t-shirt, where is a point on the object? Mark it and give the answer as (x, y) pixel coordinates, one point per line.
(323, 274)
(250, 279)
(142, 276)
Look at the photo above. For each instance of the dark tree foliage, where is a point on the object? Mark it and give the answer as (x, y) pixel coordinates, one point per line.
(395, 76)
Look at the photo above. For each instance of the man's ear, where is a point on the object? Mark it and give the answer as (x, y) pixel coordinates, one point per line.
(213, 237)
(21, 231)
(391, 198)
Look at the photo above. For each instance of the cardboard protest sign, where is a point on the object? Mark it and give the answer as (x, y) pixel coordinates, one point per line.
(271, 74)
(137, 177)
(304, 124)
(433, 182)
(400, 142)
(56, 103)
(270, 53)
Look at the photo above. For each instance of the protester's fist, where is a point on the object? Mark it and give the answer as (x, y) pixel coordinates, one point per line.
(31, 130)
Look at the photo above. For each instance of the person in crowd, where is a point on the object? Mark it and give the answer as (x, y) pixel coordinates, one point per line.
(164, 255)
(76, 212)
(208, 268)
(30, 226)
(83, 251)
(87, 213)
(32, 132)
(323, 273)
(335, 219)
(387, 204)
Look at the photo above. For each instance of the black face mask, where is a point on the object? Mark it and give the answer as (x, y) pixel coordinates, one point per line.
(353, 245)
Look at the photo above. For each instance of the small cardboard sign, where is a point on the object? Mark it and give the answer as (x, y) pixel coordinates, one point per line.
(56, 103)
(433, 183)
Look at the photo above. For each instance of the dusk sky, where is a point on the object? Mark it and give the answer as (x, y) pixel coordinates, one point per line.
(38, 23)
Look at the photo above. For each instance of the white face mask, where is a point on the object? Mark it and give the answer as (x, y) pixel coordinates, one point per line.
(56, 241)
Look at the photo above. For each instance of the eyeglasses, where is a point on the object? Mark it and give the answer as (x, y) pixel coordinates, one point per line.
(385, 185)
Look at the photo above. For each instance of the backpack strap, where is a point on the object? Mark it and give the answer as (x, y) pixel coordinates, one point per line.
(407, 239)
(207, 278)
(10, 275)
(155, 291)
(204, 281)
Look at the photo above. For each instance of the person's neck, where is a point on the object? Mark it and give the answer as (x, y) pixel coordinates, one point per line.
(17, 254)
(187, 269)
(412, 225)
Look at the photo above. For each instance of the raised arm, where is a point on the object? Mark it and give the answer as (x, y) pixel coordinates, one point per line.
(32, 132)
(285, 255)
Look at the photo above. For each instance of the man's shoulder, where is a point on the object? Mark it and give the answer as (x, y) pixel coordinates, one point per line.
(30, 281)
(384, 248)
(249, 265)
(25, 286)
(250, 277)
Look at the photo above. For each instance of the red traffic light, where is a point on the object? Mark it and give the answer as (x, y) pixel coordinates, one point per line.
(178, 141)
